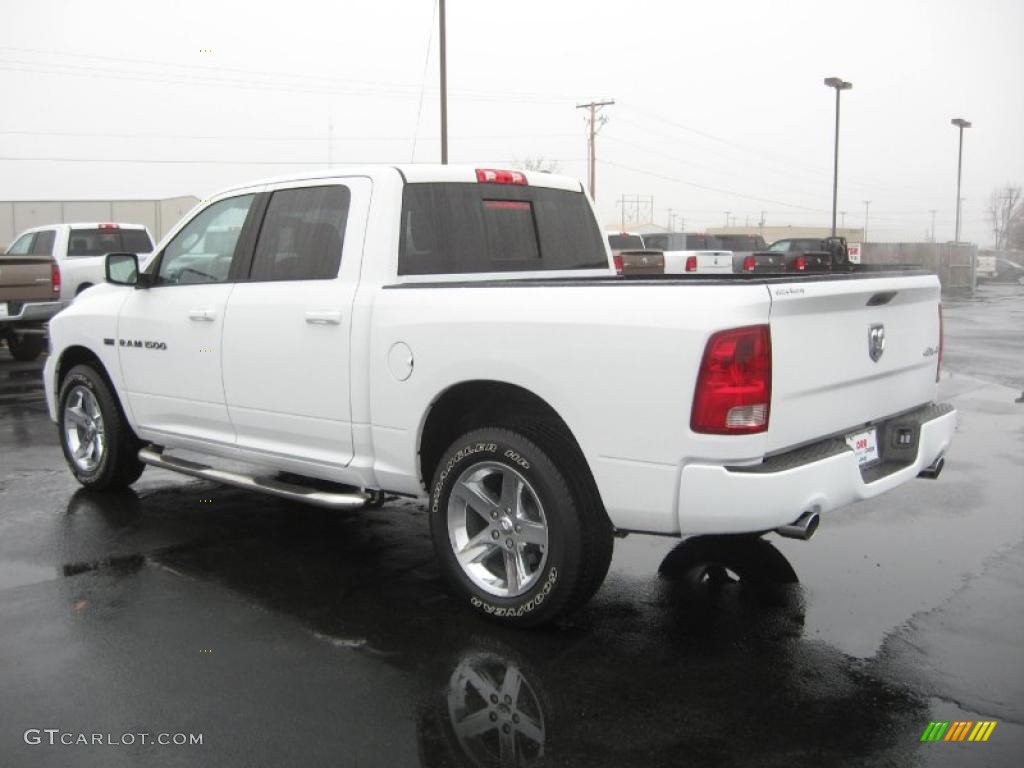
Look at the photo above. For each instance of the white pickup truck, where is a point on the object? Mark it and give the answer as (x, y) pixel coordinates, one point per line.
(691, 253)
(79, 250)
(459, 335)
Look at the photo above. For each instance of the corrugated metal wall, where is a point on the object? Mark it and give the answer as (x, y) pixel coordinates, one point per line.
(159, 216)
(954, 263)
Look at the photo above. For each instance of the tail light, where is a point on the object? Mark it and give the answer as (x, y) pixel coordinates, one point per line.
(617, 259)
(800, 263)
(108, 226)
(691, 263)
(734, 384)
(942, 341)
(55, 278)
(494, 176)
(749, 264)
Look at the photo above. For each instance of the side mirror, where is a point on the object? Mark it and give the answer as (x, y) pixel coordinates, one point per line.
(122, 268)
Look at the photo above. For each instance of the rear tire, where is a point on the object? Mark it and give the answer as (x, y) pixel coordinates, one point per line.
(99, 446)
(514, 535)
(26, 347)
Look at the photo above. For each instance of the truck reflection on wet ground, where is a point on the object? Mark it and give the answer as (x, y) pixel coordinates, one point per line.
(711, 667)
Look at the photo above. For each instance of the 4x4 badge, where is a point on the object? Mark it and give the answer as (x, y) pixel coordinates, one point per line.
(876, 341)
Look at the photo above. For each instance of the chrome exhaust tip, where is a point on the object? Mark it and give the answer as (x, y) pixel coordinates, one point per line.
(933, 472)
(802, 528)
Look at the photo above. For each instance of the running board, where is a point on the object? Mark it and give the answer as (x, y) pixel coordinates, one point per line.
(155, 458)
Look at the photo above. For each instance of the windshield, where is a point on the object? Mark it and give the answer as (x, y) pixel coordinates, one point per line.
(741, 242)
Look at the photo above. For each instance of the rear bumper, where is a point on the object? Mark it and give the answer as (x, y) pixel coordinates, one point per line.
(819, 478)
(31, 311)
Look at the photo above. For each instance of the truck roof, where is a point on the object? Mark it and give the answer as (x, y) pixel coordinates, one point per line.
(84, 225)
(418, 173)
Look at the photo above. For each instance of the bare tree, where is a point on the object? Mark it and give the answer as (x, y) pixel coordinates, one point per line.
(1006, 214)
(538, 163)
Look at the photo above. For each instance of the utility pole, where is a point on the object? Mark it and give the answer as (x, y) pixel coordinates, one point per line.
(843, 214)
(866, 204)
(593, 123)
(444, 87)
(727, 219)
(760, 224)
(932, 211)
(669, 227)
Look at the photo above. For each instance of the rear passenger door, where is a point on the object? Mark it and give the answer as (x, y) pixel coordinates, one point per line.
(287, 343)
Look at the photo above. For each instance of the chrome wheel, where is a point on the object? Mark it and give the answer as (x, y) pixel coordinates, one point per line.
(83, 429)
(497, 529)
(495, 713)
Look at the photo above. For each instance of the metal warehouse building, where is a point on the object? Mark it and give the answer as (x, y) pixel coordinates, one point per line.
(159, 216)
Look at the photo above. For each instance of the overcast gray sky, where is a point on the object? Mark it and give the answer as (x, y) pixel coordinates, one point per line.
(720, 106)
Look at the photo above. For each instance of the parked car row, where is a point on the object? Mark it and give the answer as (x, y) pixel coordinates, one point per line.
(683, 253)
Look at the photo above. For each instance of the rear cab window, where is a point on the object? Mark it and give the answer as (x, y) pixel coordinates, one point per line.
(630, 243)
(466, 228)
(103, 240)
(43, 244)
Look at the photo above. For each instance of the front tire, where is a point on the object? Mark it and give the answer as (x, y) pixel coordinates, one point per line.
(514, 535)
(100, 448)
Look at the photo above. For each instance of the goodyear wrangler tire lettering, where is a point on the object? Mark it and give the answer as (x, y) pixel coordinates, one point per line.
(515, 535)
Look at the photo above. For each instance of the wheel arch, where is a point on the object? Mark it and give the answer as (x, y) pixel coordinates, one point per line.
(489, 403)
(79, 355)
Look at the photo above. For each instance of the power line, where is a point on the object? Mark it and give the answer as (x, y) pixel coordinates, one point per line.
(423, 84)
(219, 137)
(304, 77)
(712, 189)
(221, 161)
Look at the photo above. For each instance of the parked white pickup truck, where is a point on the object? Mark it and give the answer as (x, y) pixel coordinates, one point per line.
(79, 250)
(691, 253)
(459, 335)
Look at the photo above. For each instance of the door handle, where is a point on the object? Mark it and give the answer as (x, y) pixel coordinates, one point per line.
(202, 314)
(323, 317)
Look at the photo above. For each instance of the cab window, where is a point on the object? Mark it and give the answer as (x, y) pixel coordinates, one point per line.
(202, 252)
(43, 245)
(22, 246)
(302, 235)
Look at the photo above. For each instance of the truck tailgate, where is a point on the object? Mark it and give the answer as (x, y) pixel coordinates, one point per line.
(25, 278)
(848, 352)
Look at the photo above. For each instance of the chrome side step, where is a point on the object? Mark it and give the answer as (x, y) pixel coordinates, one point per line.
(154, 457)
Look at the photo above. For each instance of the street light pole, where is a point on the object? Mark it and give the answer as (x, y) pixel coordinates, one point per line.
(840, 85)
(961, 124)
(444, 85)
(866, 204)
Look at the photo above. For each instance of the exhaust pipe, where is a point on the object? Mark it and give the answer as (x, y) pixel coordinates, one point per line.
(933, 472)
(802, 528)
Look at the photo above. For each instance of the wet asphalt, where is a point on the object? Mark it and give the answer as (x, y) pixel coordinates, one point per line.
(293, 636)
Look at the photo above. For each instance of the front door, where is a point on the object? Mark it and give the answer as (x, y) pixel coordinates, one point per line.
(169, 335)
(287, 331)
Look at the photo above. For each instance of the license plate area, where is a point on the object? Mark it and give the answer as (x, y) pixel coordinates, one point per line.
(865, 446)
